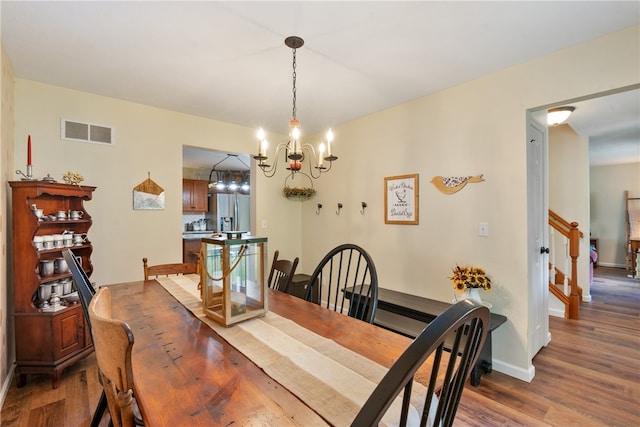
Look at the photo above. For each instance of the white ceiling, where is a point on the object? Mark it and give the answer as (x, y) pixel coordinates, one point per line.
(612, 124)
(228, 61)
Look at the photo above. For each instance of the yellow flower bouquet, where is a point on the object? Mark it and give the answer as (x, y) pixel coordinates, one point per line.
(470, 277)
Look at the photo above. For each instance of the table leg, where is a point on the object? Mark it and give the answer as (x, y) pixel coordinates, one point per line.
(483, 364)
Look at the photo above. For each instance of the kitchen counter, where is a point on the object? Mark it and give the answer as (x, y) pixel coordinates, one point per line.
(197, 234)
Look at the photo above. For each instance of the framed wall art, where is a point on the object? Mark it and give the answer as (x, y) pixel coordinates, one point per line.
(401, 199)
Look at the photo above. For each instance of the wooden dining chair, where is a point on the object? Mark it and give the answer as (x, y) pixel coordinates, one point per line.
(85, 294)
(113, 342)
(346, 281)
(452, 342)
(281, 274)
(158, 270)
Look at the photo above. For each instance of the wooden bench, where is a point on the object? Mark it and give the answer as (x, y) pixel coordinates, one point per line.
(298, 286)
(409, 314)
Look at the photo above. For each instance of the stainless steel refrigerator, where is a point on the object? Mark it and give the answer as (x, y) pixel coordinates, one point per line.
(230, 211)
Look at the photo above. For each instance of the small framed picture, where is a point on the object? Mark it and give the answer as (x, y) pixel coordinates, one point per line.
(148, 195)
(401, 199)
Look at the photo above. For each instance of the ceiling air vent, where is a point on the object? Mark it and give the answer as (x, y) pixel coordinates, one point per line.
(86, 132)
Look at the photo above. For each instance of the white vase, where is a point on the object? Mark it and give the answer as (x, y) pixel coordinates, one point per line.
(474, 294)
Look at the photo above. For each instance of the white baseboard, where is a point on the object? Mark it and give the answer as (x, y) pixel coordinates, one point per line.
(556, 312)
(514, 371)
(610, 264)
(7, 384)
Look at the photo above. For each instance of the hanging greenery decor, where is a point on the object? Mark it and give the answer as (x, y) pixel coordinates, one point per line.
(297, 193)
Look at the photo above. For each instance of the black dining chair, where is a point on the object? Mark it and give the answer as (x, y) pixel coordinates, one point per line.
(281, 274)
(346, 281)
(452, 342)
(85, 294)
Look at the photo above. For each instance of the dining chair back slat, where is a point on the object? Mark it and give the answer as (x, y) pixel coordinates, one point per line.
(346, 281)
(452, 343)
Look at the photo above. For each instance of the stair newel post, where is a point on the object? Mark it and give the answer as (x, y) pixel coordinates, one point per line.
(574, 251)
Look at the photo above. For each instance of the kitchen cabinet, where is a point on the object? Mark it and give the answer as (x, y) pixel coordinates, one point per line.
(194, 195)
(50, 335)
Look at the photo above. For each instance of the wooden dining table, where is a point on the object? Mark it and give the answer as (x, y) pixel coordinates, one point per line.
(186, 374)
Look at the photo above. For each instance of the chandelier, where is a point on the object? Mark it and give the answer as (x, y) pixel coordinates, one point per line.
(229, 181)
(295, 153)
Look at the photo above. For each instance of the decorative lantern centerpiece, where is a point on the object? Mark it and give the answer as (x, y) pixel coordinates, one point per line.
(233, 277)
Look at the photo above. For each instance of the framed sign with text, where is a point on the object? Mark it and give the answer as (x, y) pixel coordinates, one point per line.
(401, 199)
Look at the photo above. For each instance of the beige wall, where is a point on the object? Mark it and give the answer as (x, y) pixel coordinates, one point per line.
(608, 210)
(477, 127)
(146, 139)
(569, 194)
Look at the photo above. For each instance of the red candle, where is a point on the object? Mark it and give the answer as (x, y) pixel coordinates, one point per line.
(29, 151)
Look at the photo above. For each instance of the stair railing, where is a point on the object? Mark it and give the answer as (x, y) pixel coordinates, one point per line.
(572, 250)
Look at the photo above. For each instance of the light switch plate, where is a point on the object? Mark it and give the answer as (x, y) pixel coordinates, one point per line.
(483, 229)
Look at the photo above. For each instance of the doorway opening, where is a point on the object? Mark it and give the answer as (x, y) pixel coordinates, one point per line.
(229, 195)
(607, 135)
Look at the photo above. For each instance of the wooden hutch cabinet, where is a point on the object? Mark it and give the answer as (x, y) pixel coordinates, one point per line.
(48, 339)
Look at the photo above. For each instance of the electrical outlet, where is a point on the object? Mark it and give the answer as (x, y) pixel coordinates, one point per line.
(483, 229)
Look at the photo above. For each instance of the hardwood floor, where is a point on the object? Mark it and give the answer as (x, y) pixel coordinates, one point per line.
(589, 375)
(71, 404)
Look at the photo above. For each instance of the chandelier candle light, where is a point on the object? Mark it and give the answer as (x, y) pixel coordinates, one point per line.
(294, 149)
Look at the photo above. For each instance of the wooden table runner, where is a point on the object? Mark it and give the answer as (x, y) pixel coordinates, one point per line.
(332, 380)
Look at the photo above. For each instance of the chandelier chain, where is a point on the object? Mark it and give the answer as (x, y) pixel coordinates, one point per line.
(294, 83)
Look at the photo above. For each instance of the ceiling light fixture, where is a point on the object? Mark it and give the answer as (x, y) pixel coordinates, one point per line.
(295, 151)
(229, 181)
(555, 116)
